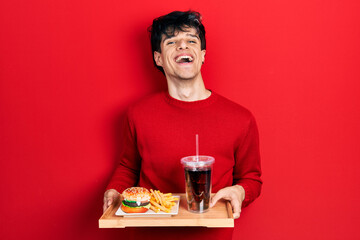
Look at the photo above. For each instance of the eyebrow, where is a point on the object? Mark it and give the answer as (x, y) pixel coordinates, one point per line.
(192, 35)
(188, 34)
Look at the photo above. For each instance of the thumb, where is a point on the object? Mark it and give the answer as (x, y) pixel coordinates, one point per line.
(107, 203)
(110, 201)
(215, 198)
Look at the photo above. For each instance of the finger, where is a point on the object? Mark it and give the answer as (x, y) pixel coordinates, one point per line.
(214, 200)
(109, 197)
(236, 206)
(236, 215)
(110, 200)
(219, 195)
(107, 202)
(111, 193)
(105, 207)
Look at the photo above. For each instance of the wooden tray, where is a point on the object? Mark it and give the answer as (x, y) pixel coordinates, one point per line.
(218, 216)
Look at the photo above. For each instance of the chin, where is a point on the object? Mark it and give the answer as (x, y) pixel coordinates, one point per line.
(187, 76)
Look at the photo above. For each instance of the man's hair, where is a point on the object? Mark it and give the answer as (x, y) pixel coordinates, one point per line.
(174, 22)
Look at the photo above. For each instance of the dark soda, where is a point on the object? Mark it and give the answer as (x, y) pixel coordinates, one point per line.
(198, 188)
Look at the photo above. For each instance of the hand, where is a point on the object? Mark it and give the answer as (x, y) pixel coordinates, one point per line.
(235, 194)
(109, 197)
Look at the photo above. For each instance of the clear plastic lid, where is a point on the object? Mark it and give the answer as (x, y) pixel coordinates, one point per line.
(197, 161)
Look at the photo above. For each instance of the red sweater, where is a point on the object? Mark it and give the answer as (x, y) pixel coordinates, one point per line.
(160, 130)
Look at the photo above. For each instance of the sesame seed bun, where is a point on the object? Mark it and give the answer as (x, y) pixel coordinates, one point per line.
(139, 194)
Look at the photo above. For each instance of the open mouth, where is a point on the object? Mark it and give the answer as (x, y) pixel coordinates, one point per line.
(184, 59)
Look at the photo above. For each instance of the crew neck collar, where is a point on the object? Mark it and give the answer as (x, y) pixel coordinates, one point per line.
(190, 104)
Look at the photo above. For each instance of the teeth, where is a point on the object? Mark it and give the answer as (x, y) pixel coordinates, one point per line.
(190, 59)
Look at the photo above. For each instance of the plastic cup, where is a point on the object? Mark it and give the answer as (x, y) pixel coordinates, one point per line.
(198, 182)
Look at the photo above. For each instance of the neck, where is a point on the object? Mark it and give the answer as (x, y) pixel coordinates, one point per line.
(188, 90)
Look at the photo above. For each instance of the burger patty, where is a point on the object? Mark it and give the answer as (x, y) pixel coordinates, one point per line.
(135, 204)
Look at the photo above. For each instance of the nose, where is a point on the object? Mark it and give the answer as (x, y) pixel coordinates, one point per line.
(182, 45)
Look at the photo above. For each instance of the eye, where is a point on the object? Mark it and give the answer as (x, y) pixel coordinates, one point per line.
(170, 42)
(192, 41)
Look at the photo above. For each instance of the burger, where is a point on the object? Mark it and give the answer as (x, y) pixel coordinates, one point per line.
(135, 200)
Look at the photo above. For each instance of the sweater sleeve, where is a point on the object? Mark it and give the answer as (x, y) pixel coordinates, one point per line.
(247, 171)
(127, 170)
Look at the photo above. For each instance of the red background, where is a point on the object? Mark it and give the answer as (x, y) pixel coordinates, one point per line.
(69, 69)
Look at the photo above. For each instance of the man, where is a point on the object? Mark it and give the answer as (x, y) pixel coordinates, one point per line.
(160, 130)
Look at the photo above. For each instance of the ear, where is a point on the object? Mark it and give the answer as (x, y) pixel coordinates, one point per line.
(203, 52)
(157, 58)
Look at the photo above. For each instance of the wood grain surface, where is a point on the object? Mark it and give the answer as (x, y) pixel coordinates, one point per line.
(218, 216)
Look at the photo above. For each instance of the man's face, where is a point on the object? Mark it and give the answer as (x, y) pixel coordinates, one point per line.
(181, 56)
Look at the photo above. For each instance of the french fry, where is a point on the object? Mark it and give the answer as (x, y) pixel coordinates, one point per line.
(159, 197)
(170, 199)
(154, 195)
(154, 209)
(162, 201)
(160, 207)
